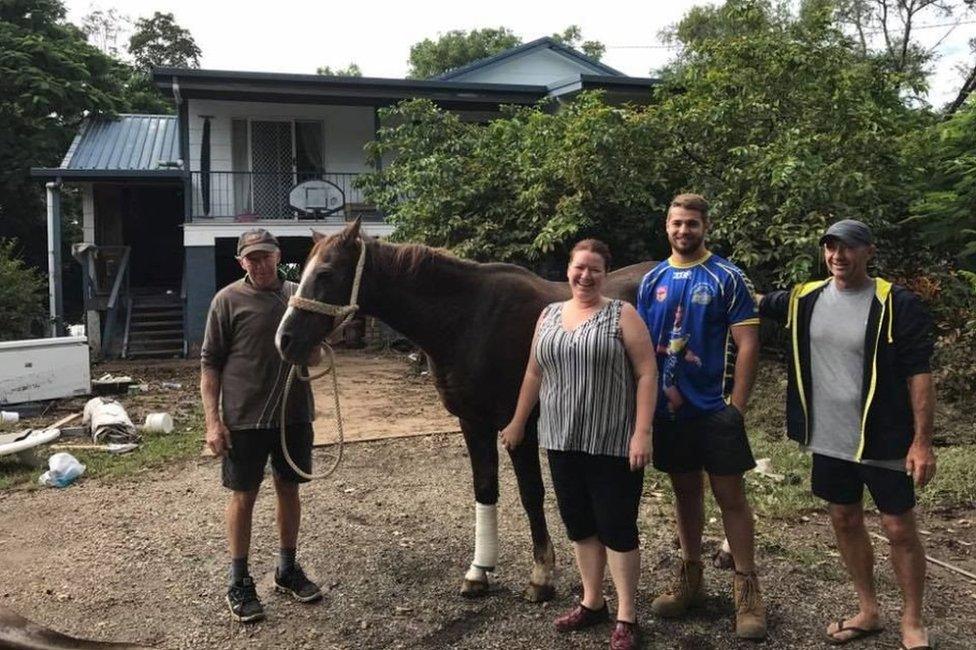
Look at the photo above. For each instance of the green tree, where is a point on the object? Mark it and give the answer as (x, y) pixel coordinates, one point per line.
(22, 292)
(572, 37)
(785, 126)
(158, 41)
(456, 48)
(888, 30)
(52, 80)
(352, 70)
(946, 212)
(522, 188)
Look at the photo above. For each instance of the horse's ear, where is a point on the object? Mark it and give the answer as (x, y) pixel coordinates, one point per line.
(352, 230)
(317, 236)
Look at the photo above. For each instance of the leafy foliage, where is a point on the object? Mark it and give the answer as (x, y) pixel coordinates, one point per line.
(22, 291)
(52, 79)
(785, 128)
(946, 212)
(351, 70)
(524, 188)
(456, 48)
(572, 37)
(159, 41)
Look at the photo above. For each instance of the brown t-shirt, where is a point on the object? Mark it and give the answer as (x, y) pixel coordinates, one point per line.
(239, 343)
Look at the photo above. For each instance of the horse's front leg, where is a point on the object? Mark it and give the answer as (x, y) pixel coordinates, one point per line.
(525, 459)
(483, 452)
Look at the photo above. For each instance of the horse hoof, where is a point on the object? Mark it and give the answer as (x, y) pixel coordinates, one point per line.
(473, 588)
(539, 593)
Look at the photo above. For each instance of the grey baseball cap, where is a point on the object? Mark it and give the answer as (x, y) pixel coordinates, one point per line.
(256, 239)
(849, 231)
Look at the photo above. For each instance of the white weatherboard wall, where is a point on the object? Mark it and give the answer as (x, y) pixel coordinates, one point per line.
(537, 67)
(346, 129)
(38, 369)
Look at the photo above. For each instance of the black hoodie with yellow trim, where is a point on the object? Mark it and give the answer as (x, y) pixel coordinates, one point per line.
(898, 343)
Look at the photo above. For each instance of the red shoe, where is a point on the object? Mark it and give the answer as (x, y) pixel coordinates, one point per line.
(582, 617)
(626, 636)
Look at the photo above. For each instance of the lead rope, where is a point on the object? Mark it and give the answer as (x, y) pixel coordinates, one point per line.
(345, 313)
(292, 374)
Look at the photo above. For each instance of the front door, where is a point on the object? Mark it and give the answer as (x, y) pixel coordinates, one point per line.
(272, 165)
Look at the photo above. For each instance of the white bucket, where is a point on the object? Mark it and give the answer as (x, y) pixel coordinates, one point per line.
(9, 417)
(158, 423)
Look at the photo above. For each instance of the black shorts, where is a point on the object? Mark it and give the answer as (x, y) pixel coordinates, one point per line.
(242, 469)
(842, 482)
(716, 442)
(597, 495)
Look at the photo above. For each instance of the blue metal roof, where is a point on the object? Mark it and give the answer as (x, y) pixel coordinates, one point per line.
(126, 143)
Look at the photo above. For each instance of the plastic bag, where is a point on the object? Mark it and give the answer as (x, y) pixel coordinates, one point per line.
(64, 469)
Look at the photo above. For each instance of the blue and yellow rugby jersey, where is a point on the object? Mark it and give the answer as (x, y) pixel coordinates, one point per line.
(689, 310)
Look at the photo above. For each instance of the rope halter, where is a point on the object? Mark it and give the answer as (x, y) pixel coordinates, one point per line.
(343, 313)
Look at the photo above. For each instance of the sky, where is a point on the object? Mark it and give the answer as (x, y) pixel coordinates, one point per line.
(296, 36)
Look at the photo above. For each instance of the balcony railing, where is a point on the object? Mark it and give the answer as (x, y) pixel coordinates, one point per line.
(264, 195)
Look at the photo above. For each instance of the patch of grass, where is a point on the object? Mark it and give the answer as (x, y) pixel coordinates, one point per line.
(15, 473)
(954, 484)
(156, 450)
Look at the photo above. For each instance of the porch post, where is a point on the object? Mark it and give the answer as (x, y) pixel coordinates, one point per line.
(54, 258)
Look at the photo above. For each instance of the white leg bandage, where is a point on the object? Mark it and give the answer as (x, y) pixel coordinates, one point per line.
(485, 542)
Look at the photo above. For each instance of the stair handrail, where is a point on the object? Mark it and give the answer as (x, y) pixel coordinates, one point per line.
(183, 291)
(111, 315)
(123, 272)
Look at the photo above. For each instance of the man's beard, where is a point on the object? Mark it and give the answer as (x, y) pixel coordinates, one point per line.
(689, 245)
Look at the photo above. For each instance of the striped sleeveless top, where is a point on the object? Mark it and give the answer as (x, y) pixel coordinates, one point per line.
(587, 395)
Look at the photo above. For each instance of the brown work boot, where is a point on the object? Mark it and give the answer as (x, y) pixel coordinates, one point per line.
(685, 592)
(750, 613)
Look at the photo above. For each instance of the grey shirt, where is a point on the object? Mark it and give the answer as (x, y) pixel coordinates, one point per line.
(837, 330)
(239, 344)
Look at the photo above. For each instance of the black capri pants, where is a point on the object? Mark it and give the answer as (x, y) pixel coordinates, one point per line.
(597, 495)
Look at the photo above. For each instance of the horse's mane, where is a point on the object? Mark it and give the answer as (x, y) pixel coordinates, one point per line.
(409, 259)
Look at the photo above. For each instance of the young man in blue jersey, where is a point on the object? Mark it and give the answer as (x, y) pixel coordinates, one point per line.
(696, 304)
(860, 397)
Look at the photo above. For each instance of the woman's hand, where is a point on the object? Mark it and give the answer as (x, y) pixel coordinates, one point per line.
(640, 450)
(512, 435)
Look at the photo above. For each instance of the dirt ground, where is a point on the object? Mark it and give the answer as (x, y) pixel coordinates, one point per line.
(389, 537)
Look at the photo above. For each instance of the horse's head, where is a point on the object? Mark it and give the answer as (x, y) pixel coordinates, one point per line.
(327, 280)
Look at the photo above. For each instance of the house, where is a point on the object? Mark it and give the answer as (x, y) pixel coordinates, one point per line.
(166, 196)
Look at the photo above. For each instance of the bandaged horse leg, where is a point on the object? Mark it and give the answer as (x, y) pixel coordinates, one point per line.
(485, 542)
(532, 492)
(483, 453)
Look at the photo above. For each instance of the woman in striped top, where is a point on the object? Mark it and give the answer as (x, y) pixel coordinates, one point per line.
(593, 373)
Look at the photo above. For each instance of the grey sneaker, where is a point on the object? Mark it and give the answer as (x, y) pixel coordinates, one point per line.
(296, 583)
(242, 600)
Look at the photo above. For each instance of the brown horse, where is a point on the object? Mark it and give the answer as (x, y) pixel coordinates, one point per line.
(475, 323)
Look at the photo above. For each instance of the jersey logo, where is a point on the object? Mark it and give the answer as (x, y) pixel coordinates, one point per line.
(702, 294)
(661, 294)
(681, 275)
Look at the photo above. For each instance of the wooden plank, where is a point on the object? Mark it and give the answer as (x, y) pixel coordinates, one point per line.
(66, 419)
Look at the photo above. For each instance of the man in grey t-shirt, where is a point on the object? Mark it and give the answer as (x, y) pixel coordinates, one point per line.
(860, 397)
(242, 378)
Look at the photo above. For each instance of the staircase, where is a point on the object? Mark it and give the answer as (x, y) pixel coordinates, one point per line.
(154, 325)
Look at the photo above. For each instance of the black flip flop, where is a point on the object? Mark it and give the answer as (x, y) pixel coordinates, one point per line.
(855, 633)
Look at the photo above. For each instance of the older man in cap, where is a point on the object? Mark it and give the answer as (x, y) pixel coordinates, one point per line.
(242, 379)
(860, 398)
